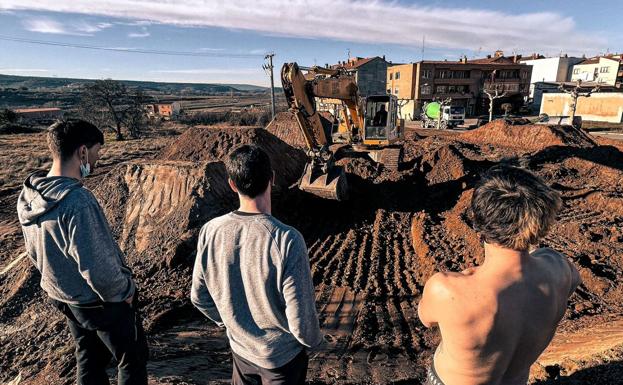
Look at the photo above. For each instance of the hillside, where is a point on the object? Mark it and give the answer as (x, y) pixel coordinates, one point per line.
(53, 83)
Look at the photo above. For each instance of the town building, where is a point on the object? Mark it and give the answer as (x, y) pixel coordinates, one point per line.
(464, 81)
(163, 110)
(606, 70)
(38, 115)
(549, 69)
(369, 73)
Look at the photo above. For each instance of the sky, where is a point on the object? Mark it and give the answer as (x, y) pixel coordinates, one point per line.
(218, 41)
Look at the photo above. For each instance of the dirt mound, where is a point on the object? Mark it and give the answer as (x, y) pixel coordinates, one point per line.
(528, 137)
(214, 144)
(286, 128)
(157, 207)
(443, 165)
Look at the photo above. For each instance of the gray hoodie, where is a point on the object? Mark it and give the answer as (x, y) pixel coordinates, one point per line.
(68, 239)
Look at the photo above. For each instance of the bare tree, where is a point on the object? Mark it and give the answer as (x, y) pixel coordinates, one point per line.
(492, 97)
(109, 103)
(7, 117)
(135, 116)
(575, 93)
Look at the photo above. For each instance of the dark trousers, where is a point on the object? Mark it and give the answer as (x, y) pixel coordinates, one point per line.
(292, 373)
(102, 331)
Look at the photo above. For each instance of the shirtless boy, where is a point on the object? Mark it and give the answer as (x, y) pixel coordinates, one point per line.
(496, 319)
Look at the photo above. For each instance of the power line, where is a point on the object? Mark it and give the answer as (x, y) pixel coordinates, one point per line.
(129, 50)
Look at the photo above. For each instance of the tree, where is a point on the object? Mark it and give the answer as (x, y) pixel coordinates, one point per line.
(109, 103)
(135, 117)
(576, 92)
(492, 97)
(507, 108)
(7, 117)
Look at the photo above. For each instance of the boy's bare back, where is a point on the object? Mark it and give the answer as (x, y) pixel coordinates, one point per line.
(495, 322)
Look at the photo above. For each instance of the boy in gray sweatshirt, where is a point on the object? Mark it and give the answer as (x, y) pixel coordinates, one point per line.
(252, 277)
(82, 269)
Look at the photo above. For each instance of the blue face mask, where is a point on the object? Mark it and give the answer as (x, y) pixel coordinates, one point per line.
(85, 169)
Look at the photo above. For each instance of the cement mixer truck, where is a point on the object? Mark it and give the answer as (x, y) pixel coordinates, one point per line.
(440, 115)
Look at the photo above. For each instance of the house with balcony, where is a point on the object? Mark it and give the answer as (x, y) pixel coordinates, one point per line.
(464, 81)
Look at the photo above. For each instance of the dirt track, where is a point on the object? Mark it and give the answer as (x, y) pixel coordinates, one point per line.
(370, 256)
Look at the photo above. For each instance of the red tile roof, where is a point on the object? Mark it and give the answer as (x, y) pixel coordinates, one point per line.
(356, 62)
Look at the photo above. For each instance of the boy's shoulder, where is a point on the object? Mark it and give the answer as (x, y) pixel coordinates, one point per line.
(277, 229)
(78, 199)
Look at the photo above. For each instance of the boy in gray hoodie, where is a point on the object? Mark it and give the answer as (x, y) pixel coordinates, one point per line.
(82, 268)
(252, 276)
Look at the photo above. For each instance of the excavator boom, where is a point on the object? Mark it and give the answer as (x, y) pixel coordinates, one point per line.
(321, 177)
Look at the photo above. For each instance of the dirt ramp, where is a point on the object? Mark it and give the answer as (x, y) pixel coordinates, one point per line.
(157, 207)
(214, 144)
(528, 137)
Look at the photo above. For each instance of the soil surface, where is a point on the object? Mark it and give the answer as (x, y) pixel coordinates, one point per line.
(370, 256)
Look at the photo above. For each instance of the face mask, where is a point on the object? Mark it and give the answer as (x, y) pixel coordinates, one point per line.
(85, 169)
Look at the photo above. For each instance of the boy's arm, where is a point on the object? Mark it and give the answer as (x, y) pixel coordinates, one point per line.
(199, 294)
(95, 251)
(299, 295)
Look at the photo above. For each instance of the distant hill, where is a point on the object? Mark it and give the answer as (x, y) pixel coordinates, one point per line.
(59, 84)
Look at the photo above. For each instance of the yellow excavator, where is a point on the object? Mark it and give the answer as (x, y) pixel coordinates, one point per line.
(367, 125)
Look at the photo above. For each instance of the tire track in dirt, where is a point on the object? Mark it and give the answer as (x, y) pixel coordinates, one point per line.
(362, 272)
(334, 268)
(323, 256)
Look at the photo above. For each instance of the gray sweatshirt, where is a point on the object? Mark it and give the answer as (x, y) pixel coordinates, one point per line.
(252, 276)
(68, 239)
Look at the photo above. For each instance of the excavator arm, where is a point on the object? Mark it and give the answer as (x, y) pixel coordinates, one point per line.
(321, 177)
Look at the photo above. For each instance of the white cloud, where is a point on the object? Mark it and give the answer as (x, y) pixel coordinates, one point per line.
(138, 34)
(45, 25)
(49, 25)
(368, 21)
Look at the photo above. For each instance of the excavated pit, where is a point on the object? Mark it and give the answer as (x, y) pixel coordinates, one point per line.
(370, 256)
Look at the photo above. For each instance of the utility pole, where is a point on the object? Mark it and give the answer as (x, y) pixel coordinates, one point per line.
(269, 70)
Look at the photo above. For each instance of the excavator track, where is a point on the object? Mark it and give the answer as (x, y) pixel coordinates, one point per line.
(390, 158)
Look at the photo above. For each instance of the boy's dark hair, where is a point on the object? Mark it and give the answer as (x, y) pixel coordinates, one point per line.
(513, 208)
(248, 166)
(65, 136)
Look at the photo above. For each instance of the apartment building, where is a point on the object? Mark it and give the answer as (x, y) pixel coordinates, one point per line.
(464, 81)
(549, 69)
(606, 70)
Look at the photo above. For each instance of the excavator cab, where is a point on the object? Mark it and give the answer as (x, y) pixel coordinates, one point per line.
(381, 125)
(381, 130)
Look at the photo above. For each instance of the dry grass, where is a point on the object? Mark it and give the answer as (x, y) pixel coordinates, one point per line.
(21, 154)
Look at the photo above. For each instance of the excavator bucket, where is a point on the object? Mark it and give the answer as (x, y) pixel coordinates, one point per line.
(332, 185)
